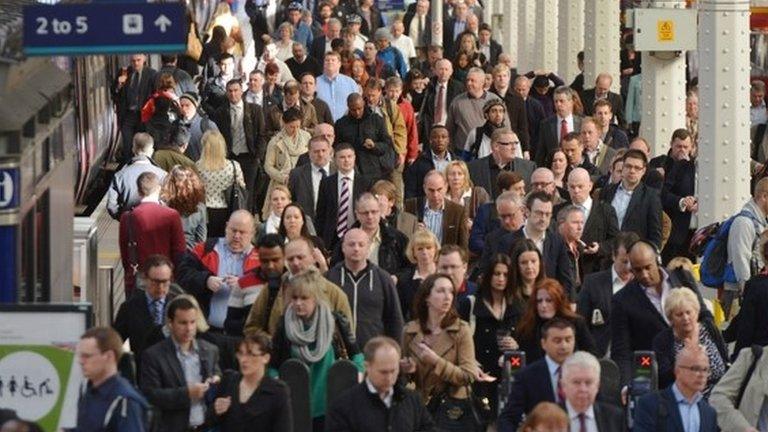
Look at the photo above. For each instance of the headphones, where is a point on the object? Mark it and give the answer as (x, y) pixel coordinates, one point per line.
(653, 247)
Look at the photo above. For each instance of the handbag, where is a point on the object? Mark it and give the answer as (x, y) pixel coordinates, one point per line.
(453, 414)
(194, 46)
(234, 193)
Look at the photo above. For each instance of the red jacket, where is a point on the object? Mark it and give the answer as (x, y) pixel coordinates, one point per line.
(156, 229)
(409, 116)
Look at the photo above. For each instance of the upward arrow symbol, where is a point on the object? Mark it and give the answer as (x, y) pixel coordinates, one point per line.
(162, 21)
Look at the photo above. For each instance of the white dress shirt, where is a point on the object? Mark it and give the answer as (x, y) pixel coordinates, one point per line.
(316, 177)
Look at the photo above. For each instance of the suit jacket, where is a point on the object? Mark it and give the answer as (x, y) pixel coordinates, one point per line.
(300, 185)
(455, 229)
(617, 103)
(530, 386)
(427, 114)
(486, 220)
(643, 215)
(648, 415)
(548, 142)
(556, 262)
(413, 177)
(317, 49)
(496, 50)
(146, 88)
(323, 111)
(595, 295)
(328, 205)
(536, 114)
(449, 38)
(609, 417)
(518, 116)
(616, 138)
(753, 321)
(134, 322)
(601, 226)
(679, 183)
(480, 172)
(605, 155)
(410, 14)
(162, 381)
(253, 123)
(635, 321)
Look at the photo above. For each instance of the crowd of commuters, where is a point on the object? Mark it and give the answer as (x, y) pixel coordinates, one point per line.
(361, 194)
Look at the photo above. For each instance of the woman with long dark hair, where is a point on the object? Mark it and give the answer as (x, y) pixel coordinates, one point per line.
(294, 224)
(493, 313)
(527, 268)
(549, 301)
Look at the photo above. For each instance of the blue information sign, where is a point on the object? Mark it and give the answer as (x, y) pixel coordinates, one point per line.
(9, 189)
(83, 29)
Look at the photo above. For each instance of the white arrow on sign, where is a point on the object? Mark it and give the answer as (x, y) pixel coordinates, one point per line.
(162, 21)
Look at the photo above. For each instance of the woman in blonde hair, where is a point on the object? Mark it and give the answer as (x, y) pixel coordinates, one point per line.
(462, 191)
(312, 333)
(184, 192)
(422, 252)
(217, 173)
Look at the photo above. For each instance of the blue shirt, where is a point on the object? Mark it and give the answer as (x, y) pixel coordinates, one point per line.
(621, 202)
(335, 91)
(689, 410)
(302, 34)
(394, 58)
(230, 264)
(193, 374)
(151, 307)
(95, 402)
(433, 219)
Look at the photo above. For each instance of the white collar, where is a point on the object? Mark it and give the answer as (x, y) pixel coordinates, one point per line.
(326, 167)
(350, 175)
(573, 415)
(552, 365)
(387, 400)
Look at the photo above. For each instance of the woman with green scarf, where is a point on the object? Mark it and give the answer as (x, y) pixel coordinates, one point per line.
(311, 332)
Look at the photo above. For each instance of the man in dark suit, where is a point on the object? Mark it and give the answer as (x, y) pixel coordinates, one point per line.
(436, 156)
(484, 171)
(539, 381)
(133, 86)
(322, 45)
(487, 45)
(682, 403)
(243, 127)
(446, 219)
(636, 310)
(678, 197)
(510, 211)
(602, 90)
(177, 372)
(334, 211)
(453, 27)
(598, 288)
(304, 181)
(516, 111)
(440, 94)
(554, 128)
(550, 243)
(534, 111)
(580, 383)
(418, 22)
(141, 317)
(638, 207)
(600, 226)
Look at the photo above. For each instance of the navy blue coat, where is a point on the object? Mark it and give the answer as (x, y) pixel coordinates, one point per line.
(648, 415)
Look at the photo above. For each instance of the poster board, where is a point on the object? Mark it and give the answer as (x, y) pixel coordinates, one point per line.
(39, 375)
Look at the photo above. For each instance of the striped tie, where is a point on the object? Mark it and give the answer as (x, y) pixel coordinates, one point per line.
(341, 219)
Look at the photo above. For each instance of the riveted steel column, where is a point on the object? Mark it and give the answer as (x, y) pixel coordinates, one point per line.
(510, 11)
(488, 8)
(437, 22)
(545, 48)
(663, 90)
(601, 42)
(724, 174)
(571, 38)
(526, 36)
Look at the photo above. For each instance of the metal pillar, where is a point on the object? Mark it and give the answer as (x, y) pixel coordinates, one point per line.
(437, 22)
(488, 8)
(571, 38)
(545, 47)
(526, 36)
(510, 12)
(724, 175)
(601, 42)
(663, 90)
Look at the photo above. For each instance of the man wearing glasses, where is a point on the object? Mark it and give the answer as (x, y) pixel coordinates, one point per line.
(504, 145)
(140, 319)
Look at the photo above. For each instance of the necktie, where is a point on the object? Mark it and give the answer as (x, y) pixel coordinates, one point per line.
(341, 218)
(323, 173)
(440, 105)
(157, 311)
(563, 129)
(560, 396)
(582, 422)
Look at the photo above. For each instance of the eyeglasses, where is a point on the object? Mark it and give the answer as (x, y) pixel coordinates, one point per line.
(632, 167)
(697, 369)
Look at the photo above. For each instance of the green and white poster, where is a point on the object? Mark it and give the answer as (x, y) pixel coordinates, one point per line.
(39, 376)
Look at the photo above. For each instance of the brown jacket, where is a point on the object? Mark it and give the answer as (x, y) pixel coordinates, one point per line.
(456, 368)
(395, 122)
(257, 319)
(455, 229)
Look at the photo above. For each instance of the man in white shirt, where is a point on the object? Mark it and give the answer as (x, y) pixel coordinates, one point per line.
(255, 92)
(403, 42)
(580, 383)
(757, 110)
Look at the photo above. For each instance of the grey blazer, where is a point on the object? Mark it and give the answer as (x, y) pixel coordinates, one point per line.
(723, 397)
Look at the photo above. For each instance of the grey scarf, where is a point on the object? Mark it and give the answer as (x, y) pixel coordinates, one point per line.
(319, 332)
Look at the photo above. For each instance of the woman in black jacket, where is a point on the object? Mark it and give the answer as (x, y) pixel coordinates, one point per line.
(250, 397)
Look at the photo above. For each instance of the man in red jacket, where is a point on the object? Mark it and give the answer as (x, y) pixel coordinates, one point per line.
(150, 228)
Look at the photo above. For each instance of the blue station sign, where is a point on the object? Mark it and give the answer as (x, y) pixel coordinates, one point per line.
(99, 28)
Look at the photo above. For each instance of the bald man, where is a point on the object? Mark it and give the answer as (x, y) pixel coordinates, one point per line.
(636, 310)
(601, 224)
(371, 290)
(212, 269)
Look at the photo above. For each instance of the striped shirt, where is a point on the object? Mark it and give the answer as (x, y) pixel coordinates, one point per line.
(433, 219)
